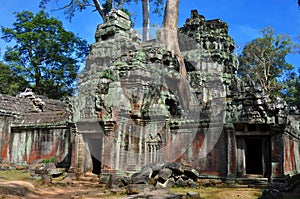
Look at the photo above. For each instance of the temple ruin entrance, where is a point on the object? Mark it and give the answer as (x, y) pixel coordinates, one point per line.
(90, 146)
(253, 156)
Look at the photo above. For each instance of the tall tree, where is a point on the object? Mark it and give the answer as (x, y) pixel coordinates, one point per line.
(169, 37)
(158, 8)
(44, 53)
(264, 60)
(11, 83)
(146, 19)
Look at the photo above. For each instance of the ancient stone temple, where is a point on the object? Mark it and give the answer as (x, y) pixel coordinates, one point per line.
(133, 108)
(131, 92)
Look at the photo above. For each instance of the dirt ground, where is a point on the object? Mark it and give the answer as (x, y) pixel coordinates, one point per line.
(88, 189)
(13, 186)
(37, 190)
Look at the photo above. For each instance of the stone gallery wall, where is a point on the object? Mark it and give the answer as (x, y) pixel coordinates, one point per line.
(31, 144)
(33, 128)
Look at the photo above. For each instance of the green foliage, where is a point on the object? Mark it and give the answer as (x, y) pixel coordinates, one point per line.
(46, 161)
(158, 7)
(109, 74)
(10, 82)
(45, 54)
(264, 60)
(292, 90)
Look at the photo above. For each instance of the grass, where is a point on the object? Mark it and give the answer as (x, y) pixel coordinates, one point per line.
(14, 175)
(222, 193)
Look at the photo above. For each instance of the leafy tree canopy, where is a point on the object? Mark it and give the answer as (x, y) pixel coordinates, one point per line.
(292, 90)
(44, 53)
(264, 60)
(10, 82)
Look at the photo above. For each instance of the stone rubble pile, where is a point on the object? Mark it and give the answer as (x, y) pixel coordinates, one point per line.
(271, 193)
(160, 176)
(45, 171)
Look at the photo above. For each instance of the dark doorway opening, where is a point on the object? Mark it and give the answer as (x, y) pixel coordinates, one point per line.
(254, 164)
(96, 165)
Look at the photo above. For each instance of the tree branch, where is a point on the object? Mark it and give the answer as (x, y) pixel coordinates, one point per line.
(64, 7)
(99, 9)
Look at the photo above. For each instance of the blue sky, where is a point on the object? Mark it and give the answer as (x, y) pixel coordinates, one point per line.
(244, 17)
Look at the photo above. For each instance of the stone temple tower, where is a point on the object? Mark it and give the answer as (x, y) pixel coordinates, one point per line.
(129, 111)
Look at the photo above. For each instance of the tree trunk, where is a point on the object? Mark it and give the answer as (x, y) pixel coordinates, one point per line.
(37, 77)
(169, 34)
(99, 9)
(169, 37)
(146, 19)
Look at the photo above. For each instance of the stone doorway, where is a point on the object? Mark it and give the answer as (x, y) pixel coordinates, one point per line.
(253, 156)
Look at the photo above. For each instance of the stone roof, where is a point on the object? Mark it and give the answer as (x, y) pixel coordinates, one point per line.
(10, 104)
(25, 112)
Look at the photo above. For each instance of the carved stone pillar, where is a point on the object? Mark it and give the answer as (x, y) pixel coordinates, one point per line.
(231, 151)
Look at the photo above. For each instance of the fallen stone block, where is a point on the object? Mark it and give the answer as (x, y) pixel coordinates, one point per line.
(180, 183)
(193, 195)
(142, 177)
(271, 194)
(67, 180)
(136, 188)
(191, 183)
(175, 166)
(191, 173)
(164, 174)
